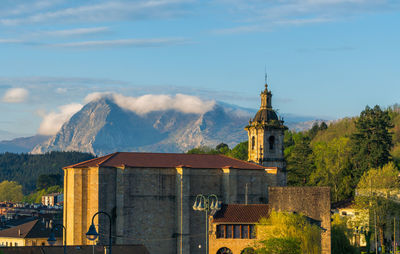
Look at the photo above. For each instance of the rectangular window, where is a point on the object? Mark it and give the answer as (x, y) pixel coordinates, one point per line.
(252, 232)
(237, 231)
(15, 244)
(245, 231)
(229, 231)
(221, 231)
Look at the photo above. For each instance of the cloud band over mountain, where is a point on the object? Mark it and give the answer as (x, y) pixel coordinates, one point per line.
(53, 121)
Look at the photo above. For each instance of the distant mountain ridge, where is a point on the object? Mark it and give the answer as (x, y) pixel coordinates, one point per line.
(103, 127)
(22, 145)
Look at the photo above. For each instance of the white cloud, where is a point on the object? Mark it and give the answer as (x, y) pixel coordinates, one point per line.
(102, 11)
(76, 31)
(151, 102)
(53, 121)
(61, 90)
(15, 95)
(259, 16)
(125, 42)
(10, 41)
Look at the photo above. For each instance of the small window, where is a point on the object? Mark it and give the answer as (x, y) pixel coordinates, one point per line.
(344, 213)
(252, 232)
(221, 231)
(237, 231)
(229, 229)
(245, 231)
(224, 250)
(15, 244)
(271, 142)
(253, 143)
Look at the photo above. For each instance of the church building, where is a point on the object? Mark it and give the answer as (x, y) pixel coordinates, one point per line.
(150, 196)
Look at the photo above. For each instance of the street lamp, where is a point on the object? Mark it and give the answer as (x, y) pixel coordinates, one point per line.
(206, 203)
(52, 239)
(92, 233)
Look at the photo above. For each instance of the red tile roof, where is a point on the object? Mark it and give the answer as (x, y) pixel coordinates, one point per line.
(240, 213)
(166, 160)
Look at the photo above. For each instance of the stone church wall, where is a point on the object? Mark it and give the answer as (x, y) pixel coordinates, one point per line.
(153, 206)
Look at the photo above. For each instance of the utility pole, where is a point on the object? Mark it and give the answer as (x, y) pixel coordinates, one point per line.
(376, 239)
(394, 235)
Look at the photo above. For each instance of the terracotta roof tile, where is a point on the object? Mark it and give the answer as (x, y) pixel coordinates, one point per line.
(166, 160)
(240, 213)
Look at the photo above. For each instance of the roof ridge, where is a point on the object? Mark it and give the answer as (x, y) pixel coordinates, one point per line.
(253, 164)
(79, 163)
(106, 157)
(109, 157)
(30, 230)
(19, 227)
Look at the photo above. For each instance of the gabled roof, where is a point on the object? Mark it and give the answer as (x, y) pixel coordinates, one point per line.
(166, 160)
(240, 213)
(32, 229)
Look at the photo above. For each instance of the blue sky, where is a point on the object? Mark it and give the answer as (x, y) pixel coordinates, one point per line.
(324, 58)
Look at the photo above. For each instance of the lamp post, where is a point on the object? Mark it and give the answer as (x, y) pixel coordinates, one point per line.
(206, 203)
(52, 239)
(92, 233)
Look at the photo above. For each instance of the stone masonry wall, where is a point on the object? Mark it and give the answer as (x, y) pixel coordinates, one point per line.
(313, 202)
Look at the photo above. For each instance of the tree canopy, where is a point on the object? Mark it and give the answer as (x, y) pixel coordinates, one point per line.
(289, 233)
(10, 191)
(26, 168)
(372, 140)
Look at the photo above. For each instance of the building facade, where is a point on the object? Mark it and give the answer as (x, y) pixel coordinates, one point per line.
(150, 196)
(233, 228)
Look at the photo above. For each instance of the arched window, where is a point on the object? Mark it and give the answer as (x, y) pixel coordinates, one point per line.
(248, 250)
(224, 250)
(271, 142)
(253, 143)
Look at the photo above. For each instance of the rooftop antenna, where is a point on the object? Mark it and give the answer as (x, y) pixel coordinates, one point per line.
(266, 76)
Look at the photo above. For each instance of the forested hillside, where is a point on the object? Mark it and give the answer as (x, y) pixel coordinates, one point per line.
(338, 155)
(26, 168)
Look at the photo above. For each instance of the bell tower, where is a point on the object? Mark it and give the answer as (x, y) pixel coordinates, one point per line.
(266, 133)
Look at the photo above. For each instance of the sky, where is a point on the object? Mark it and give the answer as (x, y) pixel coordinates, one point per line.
(323, 58)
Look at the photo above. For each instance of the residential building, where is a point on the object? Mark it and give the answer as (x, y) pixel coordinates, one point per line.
(233, 228)
(52, 199)
(33, 233)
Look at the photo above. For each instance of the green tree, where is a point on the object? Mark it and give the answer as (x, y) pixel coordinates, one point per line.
(45, 181)
(333, 167)
(202, 150)
(240, 151)
(36, 197)
(285, 245)
(10, 191)
(300, 162)
(374, 193)
(372, 141)
(340, 235)
(286, 230)
(222, 148)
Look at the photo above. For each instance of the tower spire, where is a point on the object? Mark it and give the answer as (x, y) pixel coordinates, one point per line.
(265, 76)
